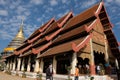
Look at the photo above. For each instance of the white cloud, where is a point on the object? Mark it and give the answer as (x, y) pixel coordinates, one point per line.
(118, 23)
(39, 19)
(36, 2)
(19, 17)
(2, 2)
(3, 12)
(109, 1)
(12, 7)
(53, 2)
(117, 1)
(88, 3)
(3, 22)
(64, 1)
(49, 9)
(62, 14)
(20, 9)
(5, 35)
(27, 13)
(29, 29)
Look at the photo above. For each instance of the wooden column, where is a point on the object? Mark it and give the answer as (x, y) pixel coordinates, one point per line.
(92, 64)
(37, 66)
(74, 62)
(28, 65)
(106, 50)
(8, 63)
(11, 64)
(54, 65)
(22, 65)
(18, 65)
(13, 68)
(41, 66)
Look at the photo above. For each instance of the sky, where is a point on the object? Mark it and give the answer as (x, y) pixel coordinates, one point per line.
(37, 12)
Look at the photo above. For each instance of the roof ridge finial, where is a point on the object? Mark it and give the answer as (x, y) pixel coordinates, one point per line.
(22, 21)
(21, 26)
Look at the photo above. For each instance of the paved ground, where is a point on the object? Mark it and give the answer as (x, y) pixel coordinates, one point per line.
(4, 76)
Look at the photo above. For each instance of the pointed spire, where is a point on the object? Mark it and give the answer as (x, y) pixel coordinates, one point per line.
(20, 32)
(21, 26)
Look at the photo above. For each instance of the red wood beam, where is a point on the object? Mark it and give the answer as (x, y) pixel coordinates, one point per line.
(99, 9)
(53, 35)
(23, 50)
(90, 27)
(76, 48)
(66, 18)
(32, 40)
(36, 51)
(48, 24)
(26, 48)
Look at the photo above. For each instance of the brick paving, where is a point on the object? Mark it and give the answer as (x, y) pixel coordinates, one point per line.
(4, 76)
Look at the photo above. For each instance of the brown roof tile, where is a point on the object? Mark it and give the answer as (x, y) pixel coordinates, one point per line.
(61, 48)
(82, 16)
(39, 41)
(71, 33)
(27, 53)
(54, 26)
(37, 31)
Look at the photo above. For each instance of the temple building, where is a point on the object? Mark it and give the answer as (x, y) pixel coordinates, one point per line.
(83, 39)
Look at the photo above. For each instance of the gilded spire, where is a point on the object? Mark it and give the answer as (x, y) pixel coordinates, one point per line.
(17, 41)
(20, 32)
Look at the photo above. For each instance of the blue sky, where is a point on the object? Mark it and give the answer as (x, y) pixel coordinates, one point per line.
(37, 12)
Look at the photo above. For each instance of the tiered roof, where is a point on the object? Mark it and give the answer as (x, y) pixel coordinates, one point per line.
(69, 33)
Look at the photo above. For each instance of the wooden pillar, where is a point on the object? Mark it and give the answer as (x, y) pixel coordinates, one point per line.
(22, 65)
(106, 50)
(41, 65)
(18, 65)
(37, 66)
(54, 65)
(10, 64)
(28, 65)
(14, 61)
(74, 63)
(92, 62)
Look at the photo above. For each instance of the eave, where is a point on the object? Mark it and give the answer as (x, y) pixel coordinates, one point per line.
(23, 50)
(76, 48)
(41, 29)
